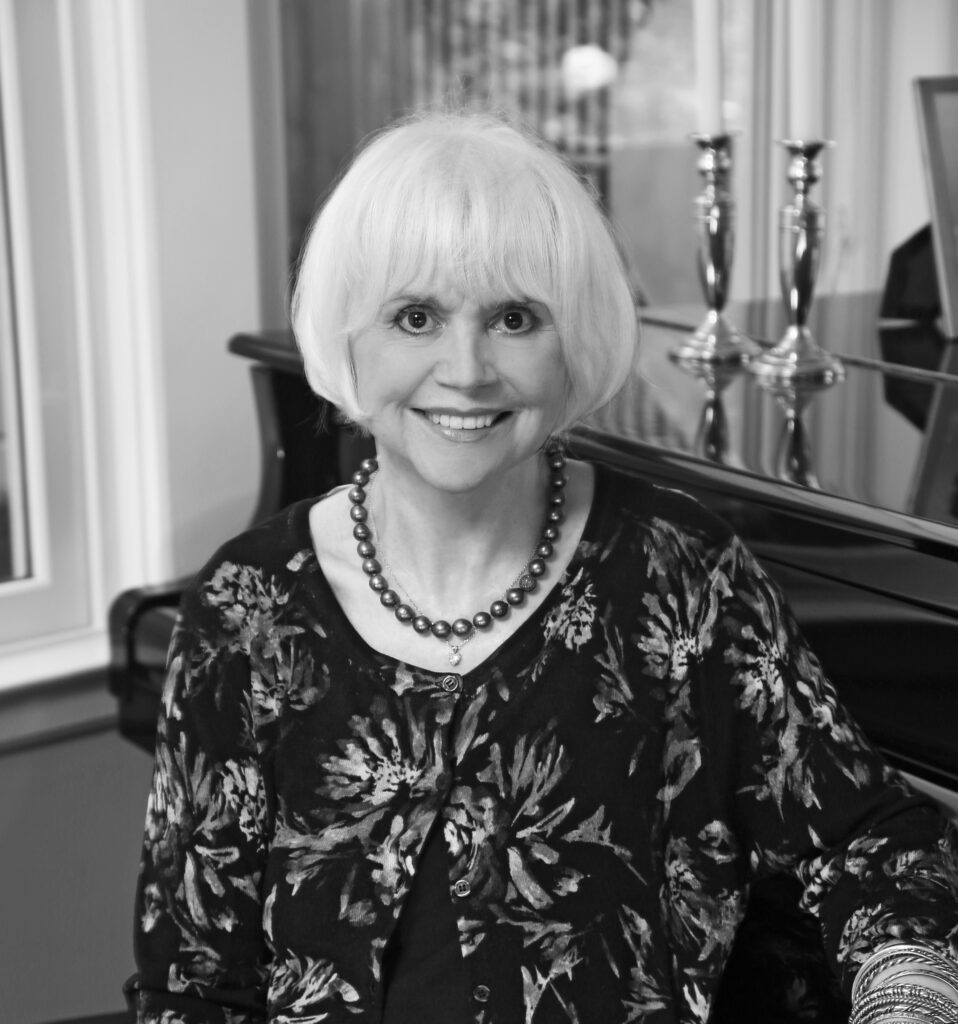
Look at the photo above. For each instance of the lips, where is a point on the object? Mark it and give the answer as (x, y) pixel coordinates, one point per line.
(469, 421)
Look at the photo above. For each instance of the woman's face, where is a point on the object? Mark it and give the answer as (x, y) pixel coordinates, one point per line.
(459, 388)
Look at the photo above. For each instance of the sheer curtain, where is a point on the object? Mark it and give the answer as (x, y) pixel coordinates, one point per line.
(609, 82)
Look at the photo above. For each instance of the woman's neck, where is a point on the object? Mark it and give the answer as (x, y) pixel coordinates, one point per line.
(453, 550)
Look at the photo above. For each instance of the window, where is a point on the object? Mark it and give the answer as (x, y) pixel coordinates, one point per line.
(48, 589)
(131, 258)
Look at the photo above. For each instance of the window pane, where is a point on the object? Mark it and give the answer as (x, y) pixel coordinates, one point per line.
(14, 546)
(43, 316)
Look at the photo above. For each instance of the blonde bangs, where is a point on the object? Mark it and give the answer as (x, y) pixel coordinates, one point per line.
(490, 236)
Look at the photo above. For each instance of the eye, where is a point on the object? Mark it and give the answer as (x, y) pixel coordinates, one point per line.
(515, 320)
(415, 320)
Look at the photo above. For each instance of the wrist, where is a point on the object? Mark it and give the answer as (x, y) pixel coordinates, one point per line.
(906, 982)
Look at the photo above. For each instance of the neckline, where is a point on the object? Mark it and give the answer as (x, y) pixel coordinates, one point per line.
(512, 648)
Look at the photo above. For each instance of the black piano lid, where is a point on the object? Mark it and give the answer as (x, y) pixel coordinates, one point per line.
(885, 439)
(860, 525)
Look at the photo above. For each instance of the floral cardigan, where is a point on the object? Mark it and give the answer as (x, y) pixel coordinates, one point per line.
(610, 783)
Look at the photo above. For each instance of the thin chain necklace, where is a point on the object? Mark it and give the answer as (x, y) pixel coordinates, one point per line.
(460, 631)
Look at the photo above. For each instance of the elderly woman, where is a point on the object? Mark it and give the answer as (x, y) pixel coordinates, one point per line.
(494, 735)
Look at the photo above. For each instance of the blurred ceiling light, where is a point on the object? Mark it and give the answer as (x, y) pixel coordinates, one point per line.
(587, 68)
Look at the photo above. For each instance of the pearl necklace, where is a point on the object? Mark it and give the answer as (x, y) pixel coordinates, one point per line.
(454, 641)
(459, 631)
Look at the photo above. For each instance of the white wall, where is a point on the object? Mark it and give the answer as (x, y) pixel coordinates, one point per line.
(199, 93)
(873, 187)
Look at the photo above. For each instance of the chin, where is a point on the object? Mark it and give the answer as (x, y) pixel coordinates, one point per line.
(468, 469)
(461, 475)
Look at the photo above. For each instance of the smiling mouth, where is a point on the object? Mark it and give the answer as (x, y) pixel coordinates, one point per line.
(450, 421)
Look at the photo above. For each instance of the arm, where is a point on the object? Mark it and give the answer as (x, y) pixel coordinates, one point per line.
(879, 864)
(199, 947)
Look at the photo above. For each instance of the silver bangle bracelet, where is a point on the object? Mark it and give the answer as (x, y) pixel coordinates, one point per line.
(921, 959)
(898, 1002)
(920, 974)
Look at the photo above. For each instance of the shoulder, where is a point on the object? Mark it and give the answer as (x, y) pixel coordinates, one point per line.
(330, 526)
(667, 541)
(256, 567)
(245, 608)
(628, 504)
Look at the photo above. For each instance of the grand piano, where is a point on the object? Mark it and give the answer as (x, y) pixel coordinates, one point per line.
(847, 494)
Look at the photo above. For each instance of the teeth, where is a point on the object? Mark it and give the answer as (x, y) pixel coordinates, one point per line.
(461, 422)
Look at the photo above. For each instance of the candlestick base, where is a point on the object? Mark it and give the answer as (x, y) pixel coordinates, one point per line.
(716, 341)
(797, 359)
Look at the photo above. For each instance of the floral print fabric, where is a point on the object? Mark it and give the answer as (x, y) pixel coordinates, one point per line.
(655, 738)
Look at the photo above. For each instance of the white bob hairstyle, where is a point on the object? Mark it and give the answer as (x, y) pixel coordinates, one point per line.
(486, 202)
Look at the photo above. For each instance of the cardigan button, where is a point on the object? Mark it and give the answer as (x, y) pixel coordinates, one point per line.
(481, 993)
(450, 683)
(462, 888)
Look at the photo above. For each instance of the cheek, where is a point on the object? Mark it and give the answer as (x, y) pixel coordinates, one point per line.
(382, 370)
(548, 375)
(559, 386)
(541, 380)
(537, 362)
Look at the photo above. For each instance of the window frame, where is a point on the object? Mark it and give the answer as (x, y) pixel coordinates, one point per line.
(162, 260)
(55, 596)
(72, 95)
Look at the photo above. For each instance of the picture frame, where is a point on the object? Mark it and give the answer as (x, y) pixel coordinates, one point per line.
(937, 104)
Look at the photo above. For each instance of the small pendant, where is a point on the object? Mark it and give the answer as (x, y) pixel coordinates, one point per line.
(454, 656)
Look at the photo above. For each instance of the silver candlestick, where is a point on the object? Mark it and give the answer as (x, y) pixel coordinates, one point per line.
(801, 227)
(716, 340)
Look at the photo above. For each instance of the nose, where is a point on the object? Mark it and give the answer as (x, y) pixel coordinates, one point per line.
(466, 358)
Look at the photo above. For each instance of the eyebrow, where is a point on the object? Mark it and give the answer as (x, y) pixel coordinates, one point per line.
(432, 300)
(425, 300)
